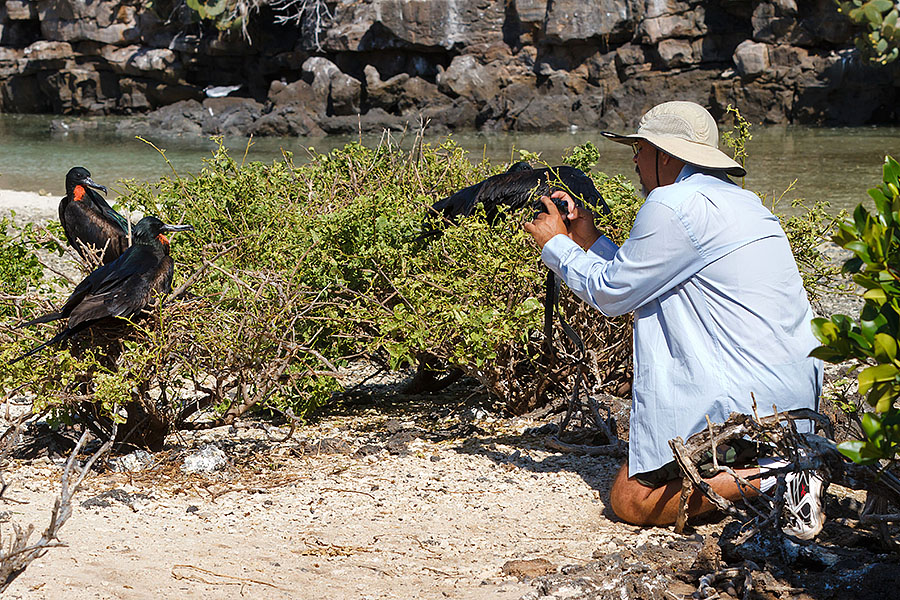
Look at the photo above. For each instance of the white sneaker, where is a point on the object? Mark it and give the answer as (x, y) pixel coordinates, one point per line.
(803, 514)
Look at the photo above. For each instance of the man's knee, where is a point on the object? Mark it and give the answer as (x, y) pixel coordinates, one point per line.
(628, 499)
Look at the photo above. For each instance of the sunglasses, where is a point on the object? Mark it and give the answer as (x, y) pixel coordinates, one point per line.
(636, 148)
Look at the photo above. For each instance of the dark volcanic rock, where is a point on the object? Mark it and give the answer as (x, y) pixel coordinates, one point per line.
(520, 65)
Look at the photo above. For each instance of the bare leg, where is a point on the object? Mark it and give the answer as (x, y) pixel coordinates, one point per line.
(638, 504)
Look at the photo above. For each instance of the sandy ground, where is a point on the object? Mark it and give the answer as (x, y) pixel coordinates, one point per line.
(290, 519)
(28, 206)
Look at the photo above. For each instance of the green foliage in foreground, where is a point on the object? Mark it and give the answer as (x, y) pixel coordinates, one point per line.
(294, 271)
(879, 41)
(871, 342)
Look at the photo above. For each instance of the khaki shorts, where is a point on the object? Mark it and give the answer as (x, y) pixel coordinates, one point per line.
(736, 453)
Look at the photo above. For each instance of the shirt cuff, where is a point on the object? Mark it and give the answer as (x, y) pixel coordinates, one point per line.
(604, 247)
(556, 250)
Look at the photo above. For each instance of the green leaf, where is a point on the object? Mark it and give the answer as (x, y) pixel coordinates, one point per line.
(882, 6)
(828, 354)
(871, 426)
(877, 295)
(825, 330)
(872, 375)
(891, 171)
(853, 450)
(885, 347)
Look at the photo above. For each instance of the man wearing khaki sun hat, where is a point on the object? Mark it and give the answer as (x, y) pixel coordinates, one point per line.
(719, 312)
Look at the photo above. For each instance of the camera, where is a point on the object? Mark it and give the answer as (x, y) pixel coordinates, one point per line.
(561, 206)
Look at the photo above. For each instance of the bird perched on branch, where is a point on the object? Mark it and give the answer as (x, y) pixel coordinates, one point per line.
(122, 288)
(90, 223)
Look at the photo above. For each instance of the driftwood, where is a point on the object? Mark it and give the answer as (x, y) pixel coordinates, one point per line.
(19, 553)
(802, 451)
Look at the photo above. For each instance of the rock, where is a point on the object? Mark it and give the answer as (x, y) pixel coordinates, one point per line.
(469, 79)
(335, 92)
(136, 461)
(345, 95)
(773, 20)
(23, 94)
(21, 10)
(133, 501)
(569, 20)
(231, 116)
(80, 90)
(206, 460)
(44, 55)
(401, 93)
(523, 569)
(73, 21)
(391, 24)
(751, 58)
(17, 33)
(297, 92)
(291, 119)
(161, 63)
(675, 53)
(667, 26)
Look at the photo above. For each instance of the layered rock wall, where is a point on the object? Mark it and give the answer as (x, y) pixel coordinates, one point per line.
(489, 64)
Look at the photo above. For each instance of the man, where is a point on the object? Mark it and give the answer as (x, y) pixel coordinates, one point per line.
(719, 311)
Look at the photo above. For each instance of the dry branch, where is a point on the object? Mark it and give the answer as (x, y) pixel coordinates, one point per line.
(16, 557)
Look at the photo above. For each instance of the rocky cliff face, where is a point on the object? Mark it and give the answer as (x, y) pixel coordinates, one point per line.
(488, 64)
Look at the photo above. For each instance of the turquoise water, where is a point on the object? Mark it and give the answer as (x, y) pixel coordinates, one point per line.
(833, 164)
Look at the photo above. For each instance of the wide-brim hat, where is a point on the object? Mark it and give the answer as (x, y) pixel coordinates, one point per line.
(686, 131)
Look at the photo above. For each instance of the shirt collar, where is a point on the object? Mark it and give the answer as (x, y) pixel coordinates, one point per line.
(690, 169)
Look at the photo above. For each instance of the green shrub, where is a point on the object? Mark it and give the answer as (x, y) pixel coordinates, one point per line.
(871, 342)
(294, 271)
(879, 40)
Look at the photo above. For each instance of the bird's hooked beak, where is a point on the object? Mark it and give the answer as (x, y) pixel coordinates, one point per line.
(166, 228)
(91, 183)
(172, 228)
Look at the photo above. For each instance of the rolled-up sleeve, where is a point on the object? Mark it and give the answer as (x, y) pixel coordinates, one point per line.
(660, 254)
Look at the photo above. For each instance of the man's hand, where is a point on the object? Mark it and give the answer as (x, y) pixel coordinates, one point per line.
(546, 224)
(580, 227)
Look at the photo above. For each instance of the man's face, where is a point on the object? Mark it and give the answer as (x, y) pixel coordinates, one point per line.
(645, 165)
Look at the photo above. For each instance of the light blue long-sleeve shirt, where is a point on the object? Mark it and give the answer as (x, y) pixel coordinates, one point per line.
(719, 310)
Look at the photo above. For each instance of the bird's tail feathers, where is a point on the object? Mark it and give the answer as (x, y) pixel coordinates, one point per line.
(43, 319)
(56, 338)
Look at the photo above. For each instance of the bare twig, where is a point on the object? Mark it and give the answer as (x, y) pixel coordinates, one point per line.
(19, 554)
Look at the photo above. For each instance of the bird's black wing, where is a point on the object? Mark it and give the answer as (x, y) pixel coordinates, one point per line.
(128, 296)
(512, 190)
(582, 186)
(86, 226)
(458, 204)
(108, 212)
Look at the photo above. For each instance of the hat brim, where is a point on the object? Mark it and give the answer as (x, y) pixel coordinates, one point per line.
(692, 153)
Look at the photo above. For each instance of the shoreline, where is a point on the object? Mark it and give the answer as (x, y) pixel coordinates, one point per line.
(28, 206)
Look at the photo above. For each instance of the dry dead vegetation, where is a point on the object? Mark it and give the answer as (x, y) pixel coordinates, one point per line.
(391, 496)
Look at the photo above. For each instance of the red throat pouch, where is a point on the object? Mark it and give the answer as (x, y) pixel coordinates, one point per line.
(78, 193)
(163, 239)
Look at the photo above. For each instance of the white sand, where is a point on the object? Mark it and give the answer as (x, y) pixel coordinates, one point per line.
(28, 206)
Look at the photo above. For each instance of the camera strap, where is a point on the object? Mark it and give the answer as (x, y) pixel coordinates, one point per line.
(551, 306)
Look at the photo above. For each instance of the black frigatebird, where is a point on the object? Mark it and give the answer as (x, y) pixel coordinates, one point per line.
(90, 223)
(516, 188)
(519, 186)
(122, 288)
